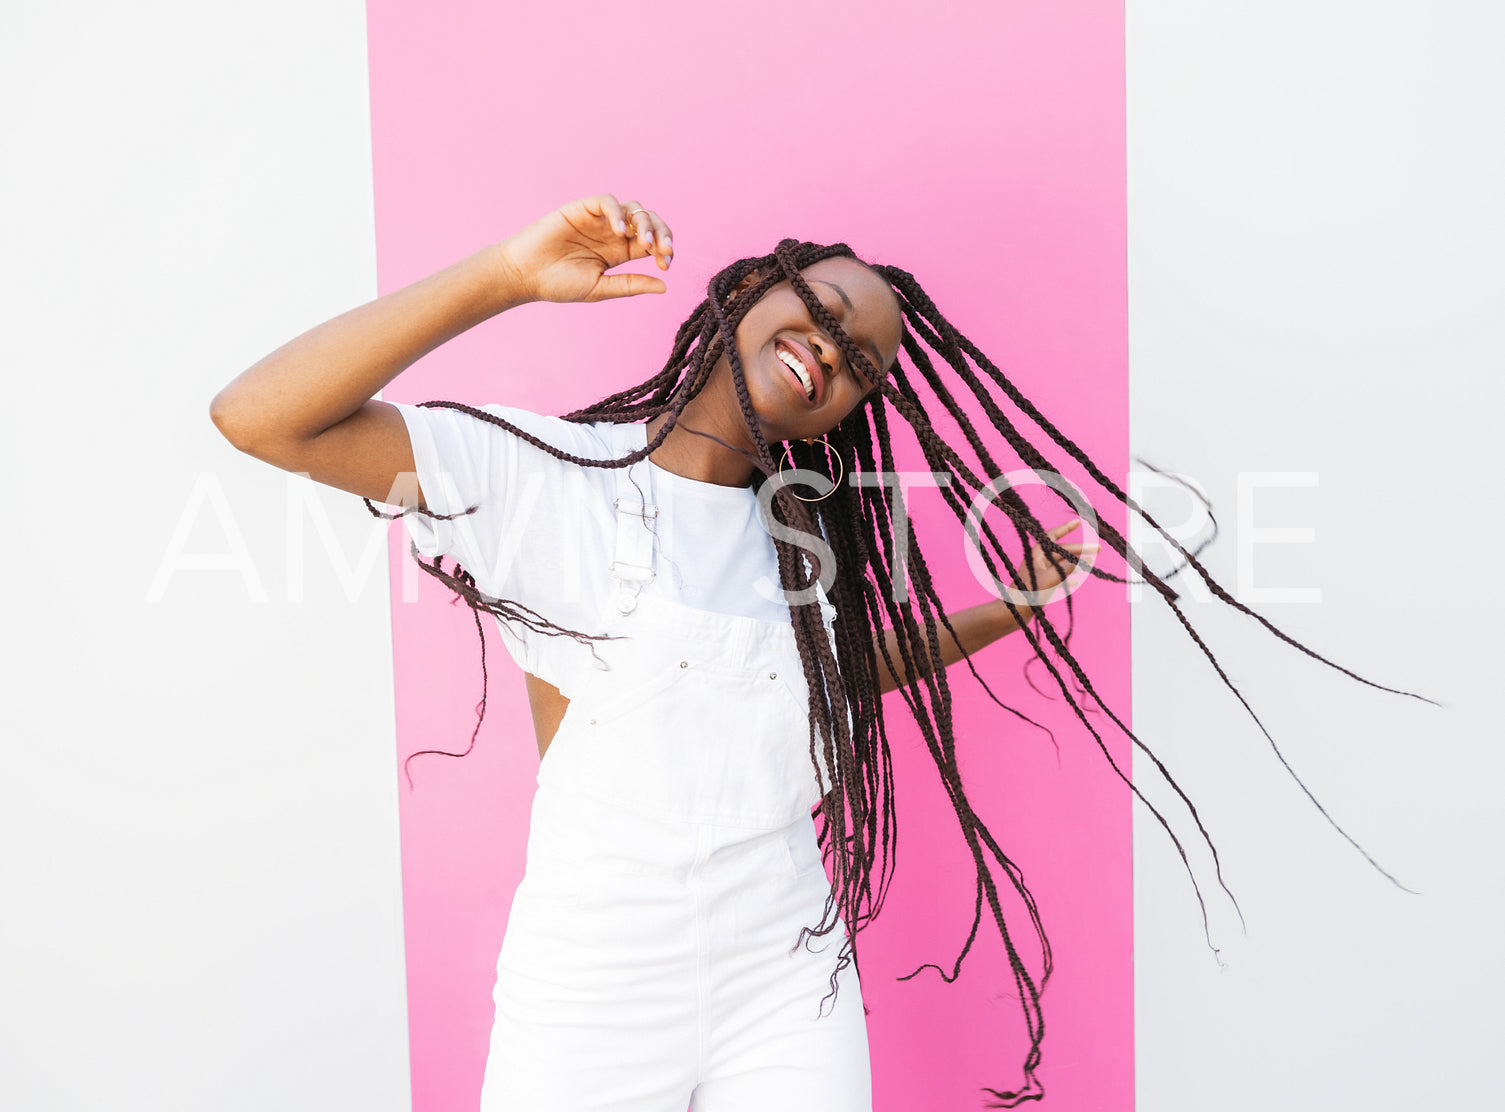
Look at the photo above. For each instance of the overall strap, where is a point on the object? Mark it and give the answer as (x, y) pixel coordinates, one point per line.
(632, 563)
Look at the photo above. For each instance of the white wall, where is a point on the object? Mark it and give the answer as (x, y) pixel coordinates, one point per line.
(1315, 286)
(198, 832)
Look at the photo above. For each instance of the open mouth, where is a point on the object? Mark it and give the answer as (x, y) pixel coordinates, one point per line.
(801, 365)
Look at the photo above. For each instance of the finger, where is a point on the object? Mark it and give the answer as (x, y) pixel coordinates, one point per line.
(1065, 527)
(606, 205)
(641, 224)
(663, 244)
(634, 229)
(626, 285)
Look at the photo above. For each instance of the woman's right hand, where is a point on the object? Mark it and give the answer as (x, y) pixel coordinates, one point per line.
(564, 255)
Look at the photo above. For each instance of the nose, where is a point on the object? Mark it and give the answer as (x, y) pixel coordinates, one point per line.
(824, 353)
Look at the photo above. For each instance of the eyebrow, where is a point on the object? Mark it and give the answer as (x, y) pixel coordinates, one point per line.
(847, 301)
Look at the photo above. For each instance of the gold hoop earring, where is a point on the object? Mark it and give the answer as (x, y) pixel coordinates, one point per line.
(836, 482)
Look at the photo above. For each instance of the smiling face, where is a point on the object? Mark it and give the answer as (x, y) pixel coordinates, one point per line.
(778, 339)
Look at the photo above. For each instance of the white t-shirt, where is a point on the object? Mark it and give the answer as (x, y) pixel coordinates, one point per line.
(545, 533)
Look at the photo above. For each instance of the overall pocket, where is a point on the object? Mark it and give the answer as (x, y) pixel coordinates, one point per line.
(605, 702)
(793, 697)
(611, 731)
(792, 687)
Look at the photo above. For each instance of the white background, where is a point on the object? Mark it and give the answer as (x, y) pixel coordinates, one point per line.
(198, 838)
(1315, 286)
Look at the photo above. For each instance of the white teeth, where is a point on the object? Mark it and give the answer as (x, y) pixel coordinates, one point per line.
(794, 364)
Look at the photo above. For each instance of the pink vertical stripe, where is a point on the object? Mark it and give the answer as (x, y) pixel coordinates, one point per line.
(980, 148)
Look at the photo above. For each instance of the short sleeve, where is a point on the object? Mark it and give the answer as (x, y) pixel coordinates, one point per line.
(465, 463)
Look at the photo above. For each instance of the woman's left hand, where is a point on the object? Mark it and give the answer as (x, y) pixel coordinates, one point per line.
(1046, 573)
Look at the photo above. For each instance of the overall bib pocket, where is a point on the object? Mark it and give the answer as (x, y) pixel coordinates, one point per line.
(582, 750)
(607, 701)
(792, 686)
(685, 738)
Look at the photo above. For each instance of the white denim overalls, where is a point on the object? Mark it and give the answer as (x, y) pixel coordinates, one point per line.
(649, 962)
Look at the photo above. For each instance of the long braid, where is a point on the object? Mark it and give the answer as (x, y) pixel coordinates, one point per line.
(950, 340)
(857, 828)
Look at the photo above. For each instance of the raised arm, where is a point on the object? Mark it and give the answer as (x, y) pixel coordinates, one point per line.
(308, 407)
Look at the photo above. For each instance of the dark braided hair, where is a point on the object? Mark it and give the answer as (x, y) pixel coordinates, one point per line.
(857, 829)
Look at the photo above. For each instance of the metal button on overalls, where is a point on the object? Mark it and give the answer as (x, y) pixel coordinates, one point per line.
(649, 961)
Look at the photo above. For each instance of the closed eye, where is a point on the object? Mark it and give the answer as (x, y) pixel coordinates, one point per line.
(857, 375)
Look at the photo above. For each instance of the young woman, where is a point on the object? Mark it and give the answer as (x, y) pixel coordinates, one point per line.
(705, 642)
